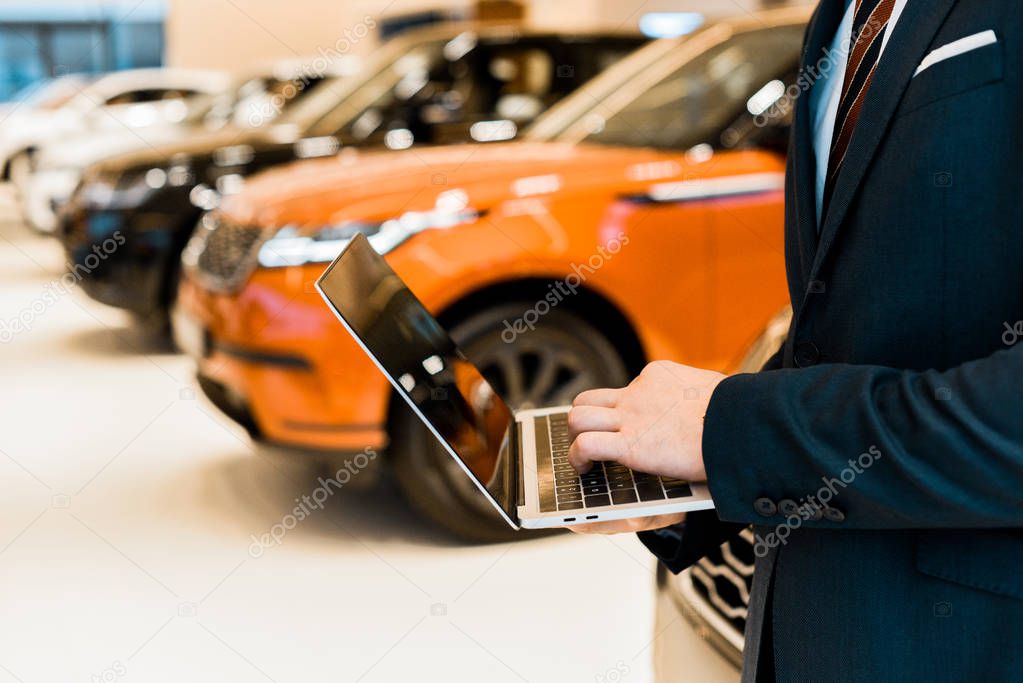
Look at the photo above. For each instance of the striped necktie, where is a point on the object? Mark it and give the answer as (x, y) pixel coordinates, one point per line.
(868, 31)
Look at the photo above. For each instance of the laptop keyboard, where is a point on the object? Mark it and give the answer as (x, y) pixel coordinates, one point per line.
(607, 483)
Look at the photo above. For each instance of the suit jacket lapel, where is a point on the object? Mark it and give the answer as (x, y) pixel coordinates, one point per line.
(913, 34)
(802, 161)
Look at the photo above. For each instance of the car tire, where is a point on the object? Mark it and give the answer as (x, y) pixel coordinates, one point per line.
(154, 330)
(548, 365)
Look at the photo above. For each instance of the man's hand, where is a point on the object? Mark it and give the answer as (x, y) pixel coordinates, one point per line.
(654, 425)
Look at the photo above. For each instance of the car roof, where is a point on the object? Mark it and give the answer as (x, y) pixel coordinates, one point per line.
(203, 80)
(305, 66)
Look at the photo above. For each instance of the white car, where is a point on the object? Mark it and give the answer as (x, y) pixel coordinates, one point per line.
(252, 101)
(122, 100)
(45, 95)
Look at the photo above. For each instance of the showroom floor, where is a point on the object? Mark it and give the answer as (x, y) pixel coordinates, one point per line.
(128, 510)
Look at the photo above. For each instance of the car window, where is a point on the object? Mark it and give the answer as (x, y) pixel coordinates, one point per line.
(697, 102)
(261, 100)
(149, 95)
(174, 94)
(436, 91)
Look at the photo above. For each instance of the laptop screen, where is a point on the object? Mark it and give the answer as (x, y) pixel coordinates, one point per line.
(445, 390)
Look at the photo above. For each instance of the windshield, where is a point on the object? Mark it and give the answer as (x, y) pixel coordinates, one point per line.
(406, 74)
(481, 86)
(696, 100)
(335, 89)
(256, 101)
(264, 101)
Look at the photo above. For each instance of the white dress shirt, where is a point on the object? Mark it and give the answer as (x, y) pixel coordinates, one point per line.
(827, 91)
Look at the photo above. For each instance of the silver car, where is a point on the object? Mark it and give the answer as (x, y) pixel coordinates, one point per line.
(251, 101)
(123, 100)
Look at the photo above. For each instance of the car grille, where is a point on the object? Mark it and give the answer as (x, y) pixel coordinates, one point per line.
(717, 588)
(222, 254)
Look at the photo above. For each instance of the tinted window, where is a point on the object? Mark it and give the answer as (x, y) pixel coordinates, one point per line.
(436, 91)
(150, 95)
(698, 101)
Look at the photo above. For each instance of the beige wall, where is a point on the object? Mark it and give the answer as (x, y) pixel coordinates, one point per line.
(236, 34)
(604, 13)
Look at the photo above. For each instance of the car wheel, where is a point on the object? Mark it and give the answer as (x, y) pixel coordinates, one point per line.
(155, 327)
(163, 321)
(549, 365)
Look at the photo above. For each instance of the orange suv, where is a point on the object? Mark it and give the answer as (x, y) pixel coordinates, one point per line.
(639, 219)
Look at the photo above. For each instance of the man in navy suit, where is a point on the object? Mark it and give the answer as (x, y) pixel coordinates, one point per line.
(879, 455)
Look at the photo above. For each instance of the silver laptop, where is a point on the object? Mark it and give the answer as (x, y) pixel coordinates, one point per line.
(519, 461)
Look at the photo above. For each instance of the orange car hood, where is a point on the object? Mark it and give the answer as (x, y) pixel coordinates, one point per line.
(382, 185)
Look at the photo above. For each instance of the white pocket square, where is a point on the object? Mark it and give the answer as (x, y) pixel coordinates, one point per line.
(956, 48)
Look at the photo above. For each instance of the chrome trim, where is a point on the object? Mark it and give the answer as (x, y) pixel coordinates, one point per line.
(716, 188)
(705, 572)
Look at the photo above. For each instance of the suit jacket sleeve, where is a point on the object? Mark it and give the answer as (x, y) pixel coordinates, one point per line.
(684, 544)
(889, 449)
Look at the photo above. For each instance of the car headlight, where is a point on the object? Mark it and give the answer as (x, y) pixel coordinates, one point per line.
(291, 246)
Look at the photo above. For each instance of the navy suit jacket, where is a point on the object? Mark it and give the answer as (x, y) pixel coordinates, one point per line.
(899, 386)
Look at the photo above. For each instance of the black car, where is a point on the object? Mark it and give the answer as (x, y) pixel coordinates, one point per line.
(443, 84)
